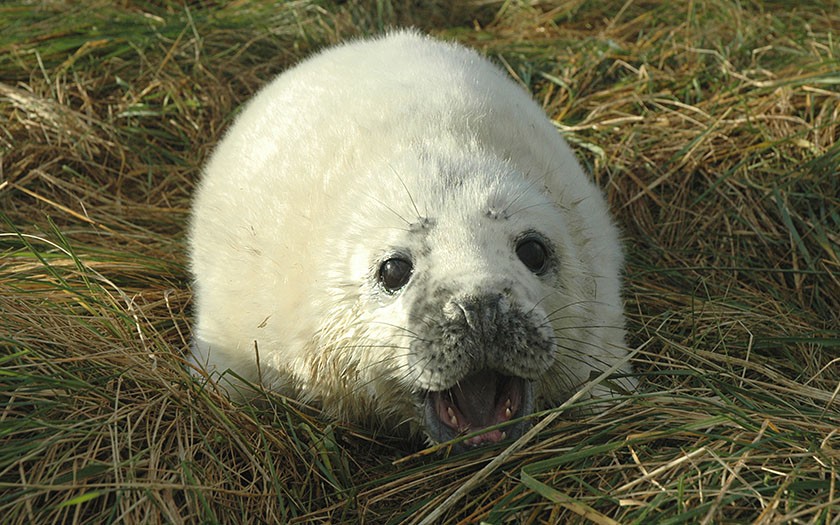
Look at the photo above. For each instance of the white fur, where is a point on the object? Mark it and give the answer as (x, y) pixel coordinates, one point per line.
(332, 166)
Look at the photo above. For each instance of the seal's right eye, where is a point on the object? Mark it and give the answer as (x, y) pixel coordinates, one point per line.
(394, 273)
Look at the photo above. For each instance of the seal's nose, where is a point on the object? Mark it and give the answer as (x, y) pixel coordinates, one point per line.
(479, 313)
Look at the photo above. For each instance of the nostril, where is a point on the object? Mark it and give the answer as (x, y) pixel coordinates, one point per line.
(462, 310)
(491, 306)
(503, 305)
(470, 313)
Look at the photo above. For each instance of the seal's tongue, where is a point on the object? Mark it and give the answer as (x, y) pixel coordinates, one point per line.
(475, 396)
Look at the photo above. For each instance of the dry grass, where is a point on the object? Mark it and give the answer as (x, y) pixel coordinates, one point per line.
(713, 125)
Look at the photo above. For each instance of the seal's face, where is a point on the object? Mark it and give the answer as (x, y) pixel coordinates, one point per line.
(464, 290)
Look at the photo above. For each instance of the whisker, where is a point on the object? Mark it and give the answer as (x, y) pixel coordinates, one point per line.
(407, 191)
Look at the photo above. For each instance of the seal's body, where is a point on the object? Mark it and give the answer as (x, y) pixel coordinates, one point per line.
(393, 229)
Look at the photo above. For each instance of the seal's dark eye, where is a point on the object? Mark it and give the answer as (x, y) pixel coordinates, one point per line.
(394, 273)
(533, 254)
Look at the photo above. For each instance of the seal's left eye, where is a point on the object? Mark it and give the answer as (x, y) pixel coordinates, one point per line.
(533, 254)
(394, 273)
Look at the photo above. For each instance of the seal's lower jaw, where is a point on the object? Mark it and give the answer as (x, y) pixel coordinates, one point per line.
(483, 399)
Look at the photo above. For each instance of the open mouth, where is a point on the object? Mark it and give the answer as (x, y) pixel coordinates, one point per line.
(480, 400)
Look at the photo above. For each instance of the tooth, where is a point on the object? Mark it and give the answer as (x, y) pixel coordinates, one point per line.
(508, 413)
(452, 418)
(504, 435)
(507, 403)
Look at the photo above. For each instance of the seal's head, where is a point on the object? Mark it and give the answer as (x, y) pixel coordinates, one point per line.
(394, 231)
(466, 293)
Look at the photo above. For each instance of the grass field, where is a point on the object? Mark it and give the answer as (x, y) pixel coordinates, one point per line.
(712, 125)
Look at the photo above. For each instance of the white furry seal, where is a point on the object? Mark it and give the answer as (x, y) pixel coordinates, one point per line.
(393, 229)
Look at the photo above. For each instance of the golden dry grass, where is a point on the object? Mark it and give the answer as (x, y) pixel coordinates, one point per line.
(713, 126)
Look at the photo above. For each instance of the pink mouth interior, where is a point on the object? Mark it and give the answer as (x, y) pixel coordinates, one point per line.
(480, 400)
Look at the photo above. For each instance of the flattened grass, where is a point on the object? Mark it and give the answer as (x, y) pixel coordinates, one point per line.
(712, 126)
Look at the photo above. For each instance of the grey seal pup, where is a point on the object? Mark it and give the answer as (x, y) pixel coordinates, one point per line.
(395, 231)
